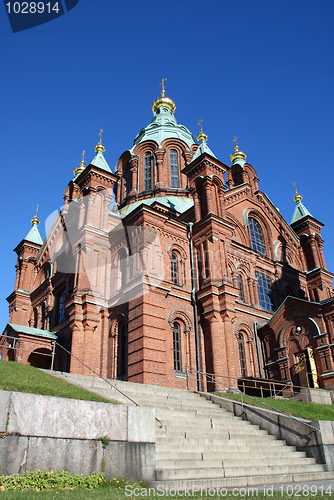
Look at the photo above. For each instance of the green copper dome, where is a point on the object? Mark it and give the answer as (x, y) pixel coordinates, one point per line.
(164, 125)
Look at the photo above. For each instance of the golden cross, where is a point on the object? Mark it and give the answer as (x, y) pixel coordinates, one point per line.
(200, 124)
(294, 185)
(162, 85)
(83, 156)
(235, 145)
(36, 212)
(100, 134)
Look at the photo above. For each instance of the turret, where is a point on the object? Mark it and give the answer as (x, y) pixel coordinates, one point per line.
(320, 281)
(27, 251)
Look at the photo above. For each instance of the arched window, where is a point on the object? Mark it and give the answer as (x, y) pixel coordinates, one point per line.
(148, 171)
(174, 169)
(176, 346)
(174, 269)
(264, 290)
(242, 355)
(127, 179)
(61, 305)
(121, 266)
(256, 236)
(241, 291)
(122, 350)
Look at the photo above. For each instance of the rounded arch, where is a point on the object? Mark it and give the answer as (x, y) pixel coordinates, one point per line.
(180, 316)
(307, 325)
(118, 347)
(243, 327)
(41, 358)
(176, 247)
(244, 336)
(260, 223)
(240, 235)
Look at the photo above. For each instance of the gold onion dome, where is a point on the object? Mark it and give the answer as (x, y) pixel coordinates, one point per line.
(297, 196)
(201, 136)
(237, 154)
(163, 100)
(81, 167)
(99, 146)
(35, 220)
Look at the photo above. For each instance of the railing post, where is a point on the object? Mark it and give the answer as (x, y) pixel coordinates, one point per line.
(53, 354)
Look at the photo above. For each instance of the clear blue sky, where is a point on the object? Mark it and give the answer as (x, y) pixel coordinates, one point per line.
(261, 70)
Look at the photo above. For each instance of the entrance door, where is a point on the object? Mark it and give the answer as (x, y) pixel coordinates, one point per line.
(306, 368)
(313, 367)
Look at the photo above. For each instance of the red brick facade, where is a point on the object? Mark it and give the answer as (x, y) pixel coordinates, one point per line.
(115, 285)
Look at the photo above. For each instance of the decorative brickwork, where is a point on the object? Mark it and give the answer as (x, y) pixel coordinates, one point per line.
(113, 280)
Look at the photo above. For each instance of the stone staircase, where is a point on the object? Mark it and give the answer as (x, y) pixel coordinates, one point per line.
(199, 444)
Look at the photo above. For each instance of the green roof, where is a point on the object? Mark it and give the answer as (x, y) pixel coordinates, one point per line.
(178, 203)
(164, 126)
(32, 331)
(33, 236)
(203, 148)
(300, 212)
(100, 162)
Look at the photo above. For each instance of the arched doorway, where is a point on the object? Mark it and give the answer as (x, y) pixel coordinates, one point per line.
(41, 358)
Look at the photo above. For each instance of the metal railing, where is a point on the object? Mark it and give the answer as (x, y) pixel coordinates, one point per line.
(55, 344)
(238, 391)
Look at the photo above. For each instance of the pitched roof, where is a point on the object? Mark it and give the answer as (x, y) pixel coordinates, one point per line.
(100, 162)
(33, 236)
(300, 212)
(33, 331)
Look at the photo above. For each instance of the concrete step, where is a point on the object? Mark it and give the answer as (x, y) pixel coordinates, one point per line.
(199, 441)
(194, 486)
(235, 453)
(211, 473)
(211, 434)
(228, 463)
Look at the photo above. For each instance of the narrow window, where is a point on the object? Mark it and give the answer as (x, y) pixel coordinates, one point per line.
(264, 290)
(176, 346)
(241, 291)
(122, 350)
(127, 179)
(174, 169)
(256, 236)
(148, 171)
(121, 267)
(61, 306)
(242, 355)
(174, 269)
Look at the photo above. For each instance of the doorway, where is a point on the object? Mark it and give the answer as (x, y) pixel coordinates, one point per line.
(307, 369)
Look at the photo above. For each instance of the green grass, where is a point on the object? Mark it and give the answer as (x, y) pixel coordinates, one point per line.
(116, 491)
(301, 409)
(25, 378)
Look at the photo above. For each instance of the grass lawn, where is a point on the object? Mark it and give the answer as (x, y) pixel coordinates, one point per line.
(309, 411)
(25, 378)
(118, 493)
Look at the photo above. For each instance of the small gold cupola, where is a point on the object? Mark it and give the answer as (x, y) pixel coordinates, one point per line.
(163, 100)
(237, 156)
(99, 146)
(297, 197)
(81, 167)
(201, 136)
(35, 220)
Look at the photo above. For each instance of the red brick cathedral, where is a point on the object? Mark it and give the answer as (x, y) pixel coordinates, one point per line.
(174, 264)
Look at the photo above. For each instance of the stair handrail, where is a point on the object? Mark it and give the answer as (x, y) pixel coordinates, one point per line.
(104, 379)
(255, 399)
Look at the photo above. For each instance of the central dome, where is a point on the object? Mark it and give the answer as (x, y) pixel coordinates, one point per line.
(164, 125)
